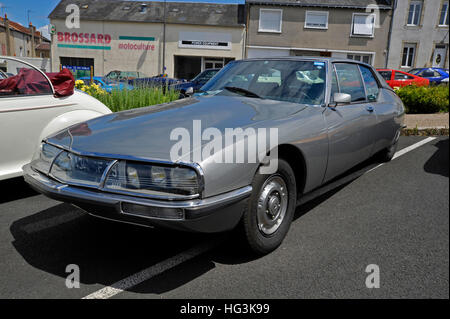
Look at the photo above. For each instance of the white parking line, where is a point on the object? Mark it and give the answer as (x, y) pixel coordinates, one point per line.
(406, 150)
(413, 147)
(152, 271)
(198, 250)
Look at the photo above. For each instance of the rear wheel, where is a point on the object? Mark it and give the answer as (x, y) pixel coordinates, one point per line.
(270, 209)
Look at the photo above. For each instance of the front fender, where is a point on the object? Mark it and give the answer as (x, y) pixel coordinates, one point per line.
(68, 119)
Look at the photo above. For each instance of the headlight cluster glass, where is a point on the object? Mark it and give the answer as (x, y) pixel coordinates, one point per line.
(124, 176)
(43, 158)
(72, 168)
(146, 179)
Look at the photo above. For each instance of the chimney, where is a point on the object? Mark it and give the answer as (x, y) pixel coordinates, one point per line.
(33, 44)
(8, 36)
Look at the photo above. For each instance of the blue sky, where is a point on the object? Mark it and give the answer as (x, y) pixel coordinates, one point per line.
(17, 10)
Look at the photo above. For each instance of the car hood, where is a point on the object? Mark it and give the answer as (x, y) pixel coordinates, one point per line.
(146, 132)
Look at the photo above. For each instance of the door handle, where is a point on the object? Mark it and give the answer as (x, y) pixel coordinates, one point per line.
(370, 109)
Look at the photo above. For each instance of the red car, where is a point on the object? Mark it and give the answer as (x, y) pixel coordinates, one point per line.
(397, 79)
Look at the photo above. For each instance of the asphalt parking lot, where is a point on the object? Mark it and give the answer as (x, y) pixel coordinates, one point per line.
(395, 216)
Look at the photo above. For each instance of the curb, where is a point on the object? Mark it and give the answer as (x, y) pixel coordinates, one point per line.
(425, 131)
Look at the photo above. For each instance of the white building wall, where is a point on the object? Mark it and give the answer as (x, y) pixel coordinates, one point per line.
(426, 35)
(126, 55)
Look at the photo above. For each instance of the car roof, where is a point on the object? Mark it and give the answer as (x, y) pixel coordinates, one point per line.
(308, 58)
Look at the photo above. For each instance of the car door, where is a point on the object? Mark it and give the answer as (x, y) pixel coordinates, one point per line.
(350, 126)
(435, 77)
(25, 110)
(402, 79)
(388, 76)
(384, 111)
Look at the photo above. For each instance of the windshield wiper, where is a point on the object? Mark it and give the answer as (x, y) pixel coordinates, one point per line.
(248, 93)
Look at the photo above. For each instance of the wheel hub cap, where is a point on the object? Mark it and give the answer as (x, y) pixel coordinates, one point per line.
(272, 205)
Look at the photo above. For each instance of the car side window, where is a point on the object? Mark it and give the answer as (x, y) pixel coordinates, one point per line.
(402, 76)
(24, 81)
(334, 86)
(350, 82)
(387, 75)
(371, 84)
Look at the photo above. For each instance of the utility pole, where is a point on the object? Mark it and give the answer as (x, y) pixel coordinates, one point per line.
(164, 42)
(28, 15)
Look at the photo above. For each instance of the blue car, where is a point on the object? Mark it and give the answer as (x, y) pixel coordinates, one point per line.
(154, 81)
(107, 85)
(196, 83)
(435, 75)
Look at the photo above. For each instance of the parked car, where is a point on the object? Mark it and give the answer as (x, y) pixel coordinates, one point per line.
(31, 109)
(397, 79)
(123, 76)
(196, 83)
(434, 75)
(125, 169)
(155, 81)
(106, 85)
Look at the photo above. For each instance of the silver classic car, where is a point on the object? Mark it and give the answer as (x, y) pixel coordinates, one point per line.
(259, 136)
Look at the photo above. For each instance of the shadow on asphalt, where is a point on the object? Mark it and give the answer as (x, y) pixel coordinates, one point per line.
(14, 189)
(438, 163)
(107, 251)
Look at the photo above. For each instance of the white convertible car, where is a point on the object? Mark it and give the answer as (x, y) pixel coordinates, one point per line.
(31, 109)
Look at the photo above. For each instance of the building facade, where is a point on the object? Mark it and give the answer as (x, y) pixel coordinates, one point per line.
(339, 28)
(132, 36)
(419, 34)
(19, 41)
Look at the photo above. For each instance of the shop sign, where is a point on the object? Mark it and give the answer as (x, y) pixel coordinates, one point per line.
(205, 40)
(92, 38)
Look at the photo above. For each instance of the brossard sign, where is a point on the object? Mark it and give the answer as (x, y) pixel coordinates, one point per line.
(100, 41)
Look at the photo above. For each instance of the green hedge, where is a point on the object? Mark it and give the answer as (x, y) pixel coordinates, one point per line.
(423, 100)
(120, 100)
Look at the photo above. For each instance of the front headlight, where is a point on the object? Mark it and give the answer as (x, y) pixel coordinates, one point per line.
(152, 179)
(43, 158)
(74, 169)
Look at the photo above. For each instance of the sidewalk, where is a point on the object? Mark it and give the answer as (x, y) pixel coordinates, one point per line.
(426, 121)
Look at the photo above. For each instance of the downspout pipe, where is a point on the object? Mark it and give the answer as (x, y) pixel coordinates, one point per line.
(391, 25)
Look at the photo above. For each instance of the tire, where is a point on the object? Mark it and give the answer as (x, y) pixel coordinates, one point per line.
(387, 154)
(264, 232)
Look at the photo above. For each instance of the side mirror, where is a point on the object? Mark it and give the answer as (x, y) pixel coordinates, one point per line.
(189, 91)
(342, 98)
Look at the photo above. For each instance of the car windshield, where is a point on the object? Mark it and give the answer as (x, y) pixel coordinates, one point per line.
(291, 81)
(414, 71)
(205, 76)
(123, 75)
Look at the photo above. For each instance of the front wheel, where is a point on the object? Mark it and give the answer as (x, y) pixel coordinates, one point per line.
(270, 210)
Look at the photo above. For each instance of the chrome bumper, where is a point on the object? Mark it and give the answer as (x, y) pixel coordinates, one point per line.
(213, 214)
